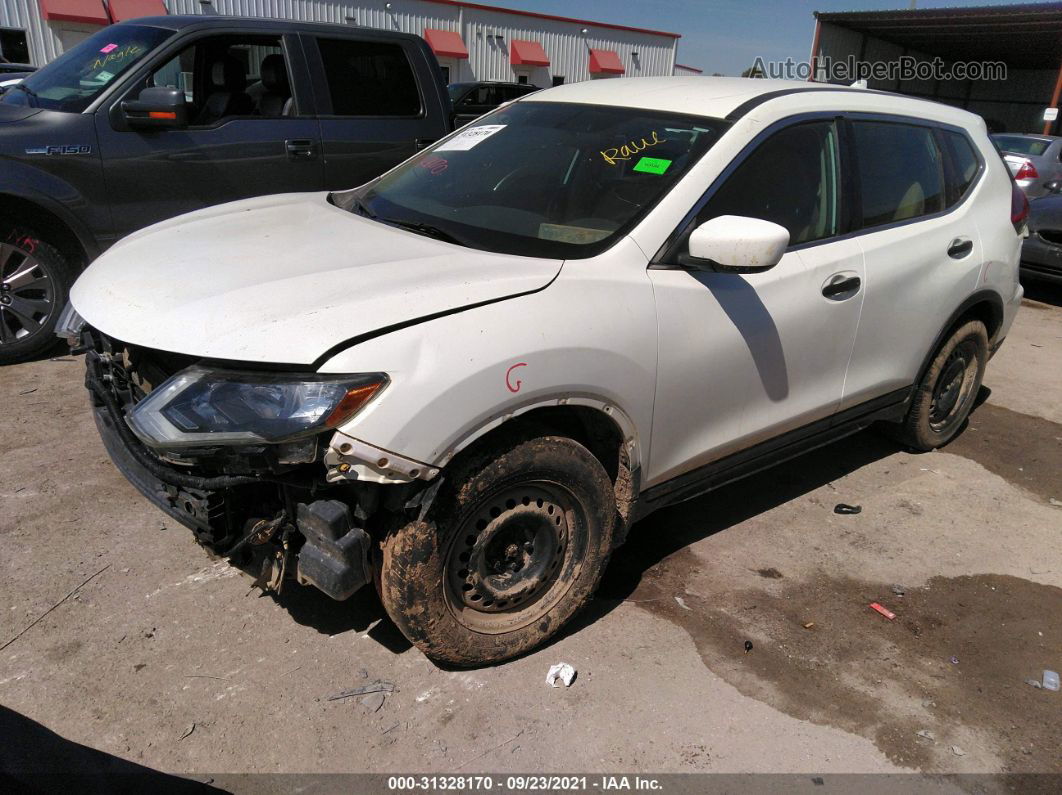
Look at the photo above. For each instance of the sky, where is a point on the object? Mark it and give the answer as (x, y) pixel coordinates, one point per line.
(726, 35)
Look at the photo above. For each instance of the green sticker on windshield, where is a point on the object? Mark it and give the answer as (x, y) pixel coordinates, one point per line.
(652, 165)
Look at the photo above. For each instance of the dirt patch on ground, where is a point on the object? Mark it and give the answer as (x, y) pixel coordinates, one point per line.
(947, 672)
(1025, 450)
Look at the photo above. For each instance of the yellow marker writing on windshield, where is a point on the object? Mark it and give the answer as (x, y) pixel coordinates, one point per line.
(630, 149)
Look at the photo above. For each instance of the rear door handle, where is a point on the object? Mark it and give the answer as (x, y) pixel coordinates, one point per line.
(300, 149)
(840, 284)
(960, 247)
(423, 143)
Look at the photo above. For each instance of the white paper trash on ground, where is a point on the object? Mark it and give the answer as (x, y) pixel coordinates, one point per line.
(561, 672)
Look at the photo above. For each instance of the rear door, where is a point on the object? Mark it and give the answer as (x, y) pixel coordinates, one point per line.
(920, 241)
(378, 103)
(251, 129)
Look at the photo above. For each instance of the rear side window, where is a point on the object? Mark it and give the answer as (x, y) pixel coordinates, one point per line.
(964, 165)
(369, 78)
(900, 172)
(790, 179)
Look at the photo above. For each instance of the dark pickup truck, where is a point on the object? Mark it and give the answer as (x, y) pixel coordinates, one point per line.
(149, 119)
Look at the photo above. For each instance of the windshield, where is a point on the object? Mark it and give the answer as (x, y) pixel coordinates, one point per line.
(78, 76)
(1020, 145)
(540, 179)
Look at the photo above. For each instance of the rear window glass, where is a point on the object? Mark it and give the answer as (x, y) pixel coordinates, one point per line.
(369, 78)
(1020, 145)
(900, 172)
(964, 162)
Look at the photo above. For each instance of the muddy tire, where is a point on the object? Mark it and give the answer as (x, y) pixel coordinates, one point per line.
(515, 544)
(944, 398)
(35, 280)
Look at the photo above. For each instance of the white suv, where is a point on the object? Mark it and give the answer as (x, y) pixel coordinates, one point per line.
(466, 379)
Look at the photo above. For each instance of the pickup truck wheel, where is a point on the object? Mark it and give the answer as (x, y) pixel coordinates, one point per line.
(34, 282)
(515, 546)
(946, 395)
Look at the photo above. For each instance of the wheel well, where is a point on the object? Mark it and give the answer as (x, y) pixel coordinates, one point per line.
(17, 211)
(987, 312)
(592, 428)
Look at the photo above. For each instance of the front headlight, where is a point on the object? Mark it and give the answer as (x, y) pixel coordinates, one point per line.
(198, 406)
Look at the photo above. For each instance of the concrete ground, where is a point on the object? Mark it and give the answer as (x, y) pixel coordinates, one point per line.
(173, 661)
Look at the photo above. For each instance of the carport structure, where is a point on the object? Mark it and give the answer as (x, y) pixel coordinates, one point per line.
(1026, 38)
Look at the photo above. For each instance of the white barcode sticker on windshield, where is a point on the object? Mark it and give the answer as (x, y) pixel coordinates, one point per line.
(466, 139)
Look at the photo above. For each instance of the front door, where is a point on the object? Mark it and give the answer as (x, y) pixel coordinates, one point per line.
(251, 132)
(744, 358)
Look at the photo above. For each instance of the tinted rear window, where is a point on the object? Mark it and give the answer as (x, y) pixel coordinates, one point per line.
(964, 164)
(369, 78)
(1020, 145)
(900, 172)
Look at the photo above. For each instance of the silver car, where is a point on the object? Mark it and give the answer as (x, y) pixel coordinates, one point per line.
(1034, 160)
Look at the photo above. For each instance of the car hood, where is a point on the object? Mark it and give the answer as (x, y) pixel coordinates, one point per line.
(283, 279)
(9, 113)
(1046, 212)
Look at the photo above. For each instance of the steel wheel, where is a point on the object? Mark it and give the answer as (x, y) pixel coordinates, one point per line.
(504, 564)
(954, 387)
(27, 292)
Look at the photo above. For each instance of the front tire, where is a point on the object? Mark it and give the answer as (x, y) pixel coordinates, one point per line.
(35, 280)
(515, 545)
(944, 398)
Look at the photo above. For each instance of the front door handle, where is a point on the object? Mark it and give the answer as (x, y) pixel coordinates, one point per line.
(841, 284)
(300, 149)
(960, 247)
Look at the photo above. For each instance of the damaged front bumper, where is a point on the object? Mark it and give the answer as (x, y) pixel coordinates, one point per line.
(316, 522)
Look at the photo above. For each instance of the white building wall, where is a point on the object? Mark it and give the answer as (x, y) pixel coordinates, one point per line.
(489, 55)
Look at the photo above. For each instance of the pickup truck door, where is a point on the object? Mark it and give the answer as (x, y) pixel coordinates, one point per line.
(379, 101)
(251, 129)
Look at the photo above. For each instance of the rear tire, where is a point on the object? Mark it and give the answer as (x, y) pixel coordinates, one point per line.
(944, 398)
(515, 545)
(35, 281)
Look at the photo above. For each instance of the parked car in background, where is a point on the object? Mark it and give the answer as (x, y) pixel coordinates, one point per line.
(11, 73)
(464, 380)
(1034, 160)
(148, 119)
(472, 100)
(1041, 253)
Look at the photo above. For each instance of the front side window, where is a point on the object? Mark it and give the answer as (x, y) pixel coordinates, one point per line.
(73, 80)
(367, 78)
(901, 176)
(791, 179)
(229, 76)
(542, 179)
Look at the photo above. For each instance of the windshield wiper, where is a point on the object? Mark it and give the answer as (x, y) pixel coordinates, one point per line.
(424, 229)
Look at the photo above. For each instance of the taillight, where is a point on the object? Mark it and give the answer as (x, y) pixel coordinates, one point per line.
(1019, 207)
(1027, 171)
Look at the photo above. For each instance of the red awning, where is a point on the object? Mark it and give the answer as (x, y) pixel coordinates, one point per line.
(445, 43)
(527, 53)
(88, 11)
(121, 10)
(605, 62)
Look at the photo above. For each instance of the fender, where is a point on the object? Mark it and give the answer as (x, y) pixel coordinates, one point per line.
(981, 296)
(37, 187)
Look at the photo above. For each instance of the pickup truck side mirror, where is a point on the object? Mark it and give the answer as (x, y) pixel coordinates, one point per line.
(156, 108)
(735, 244)
(1054, 186)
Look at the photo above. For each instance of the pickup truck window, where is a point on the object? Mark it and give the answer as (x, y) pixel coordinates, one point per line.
(73, 80)
(367, 78)
(224, 76)
(545, 179)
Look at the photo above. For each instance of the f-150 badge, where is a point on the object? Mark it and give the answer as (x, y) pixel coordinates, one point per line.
(66, 149)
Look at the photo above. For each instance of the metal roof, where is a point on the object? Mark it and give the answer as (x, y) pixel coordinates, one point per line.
(1025, 36)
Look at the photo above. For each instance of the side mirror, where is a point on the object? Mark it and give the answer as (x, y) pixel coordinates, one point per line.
(1054, 186)
(156, 108)
(736, 244)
